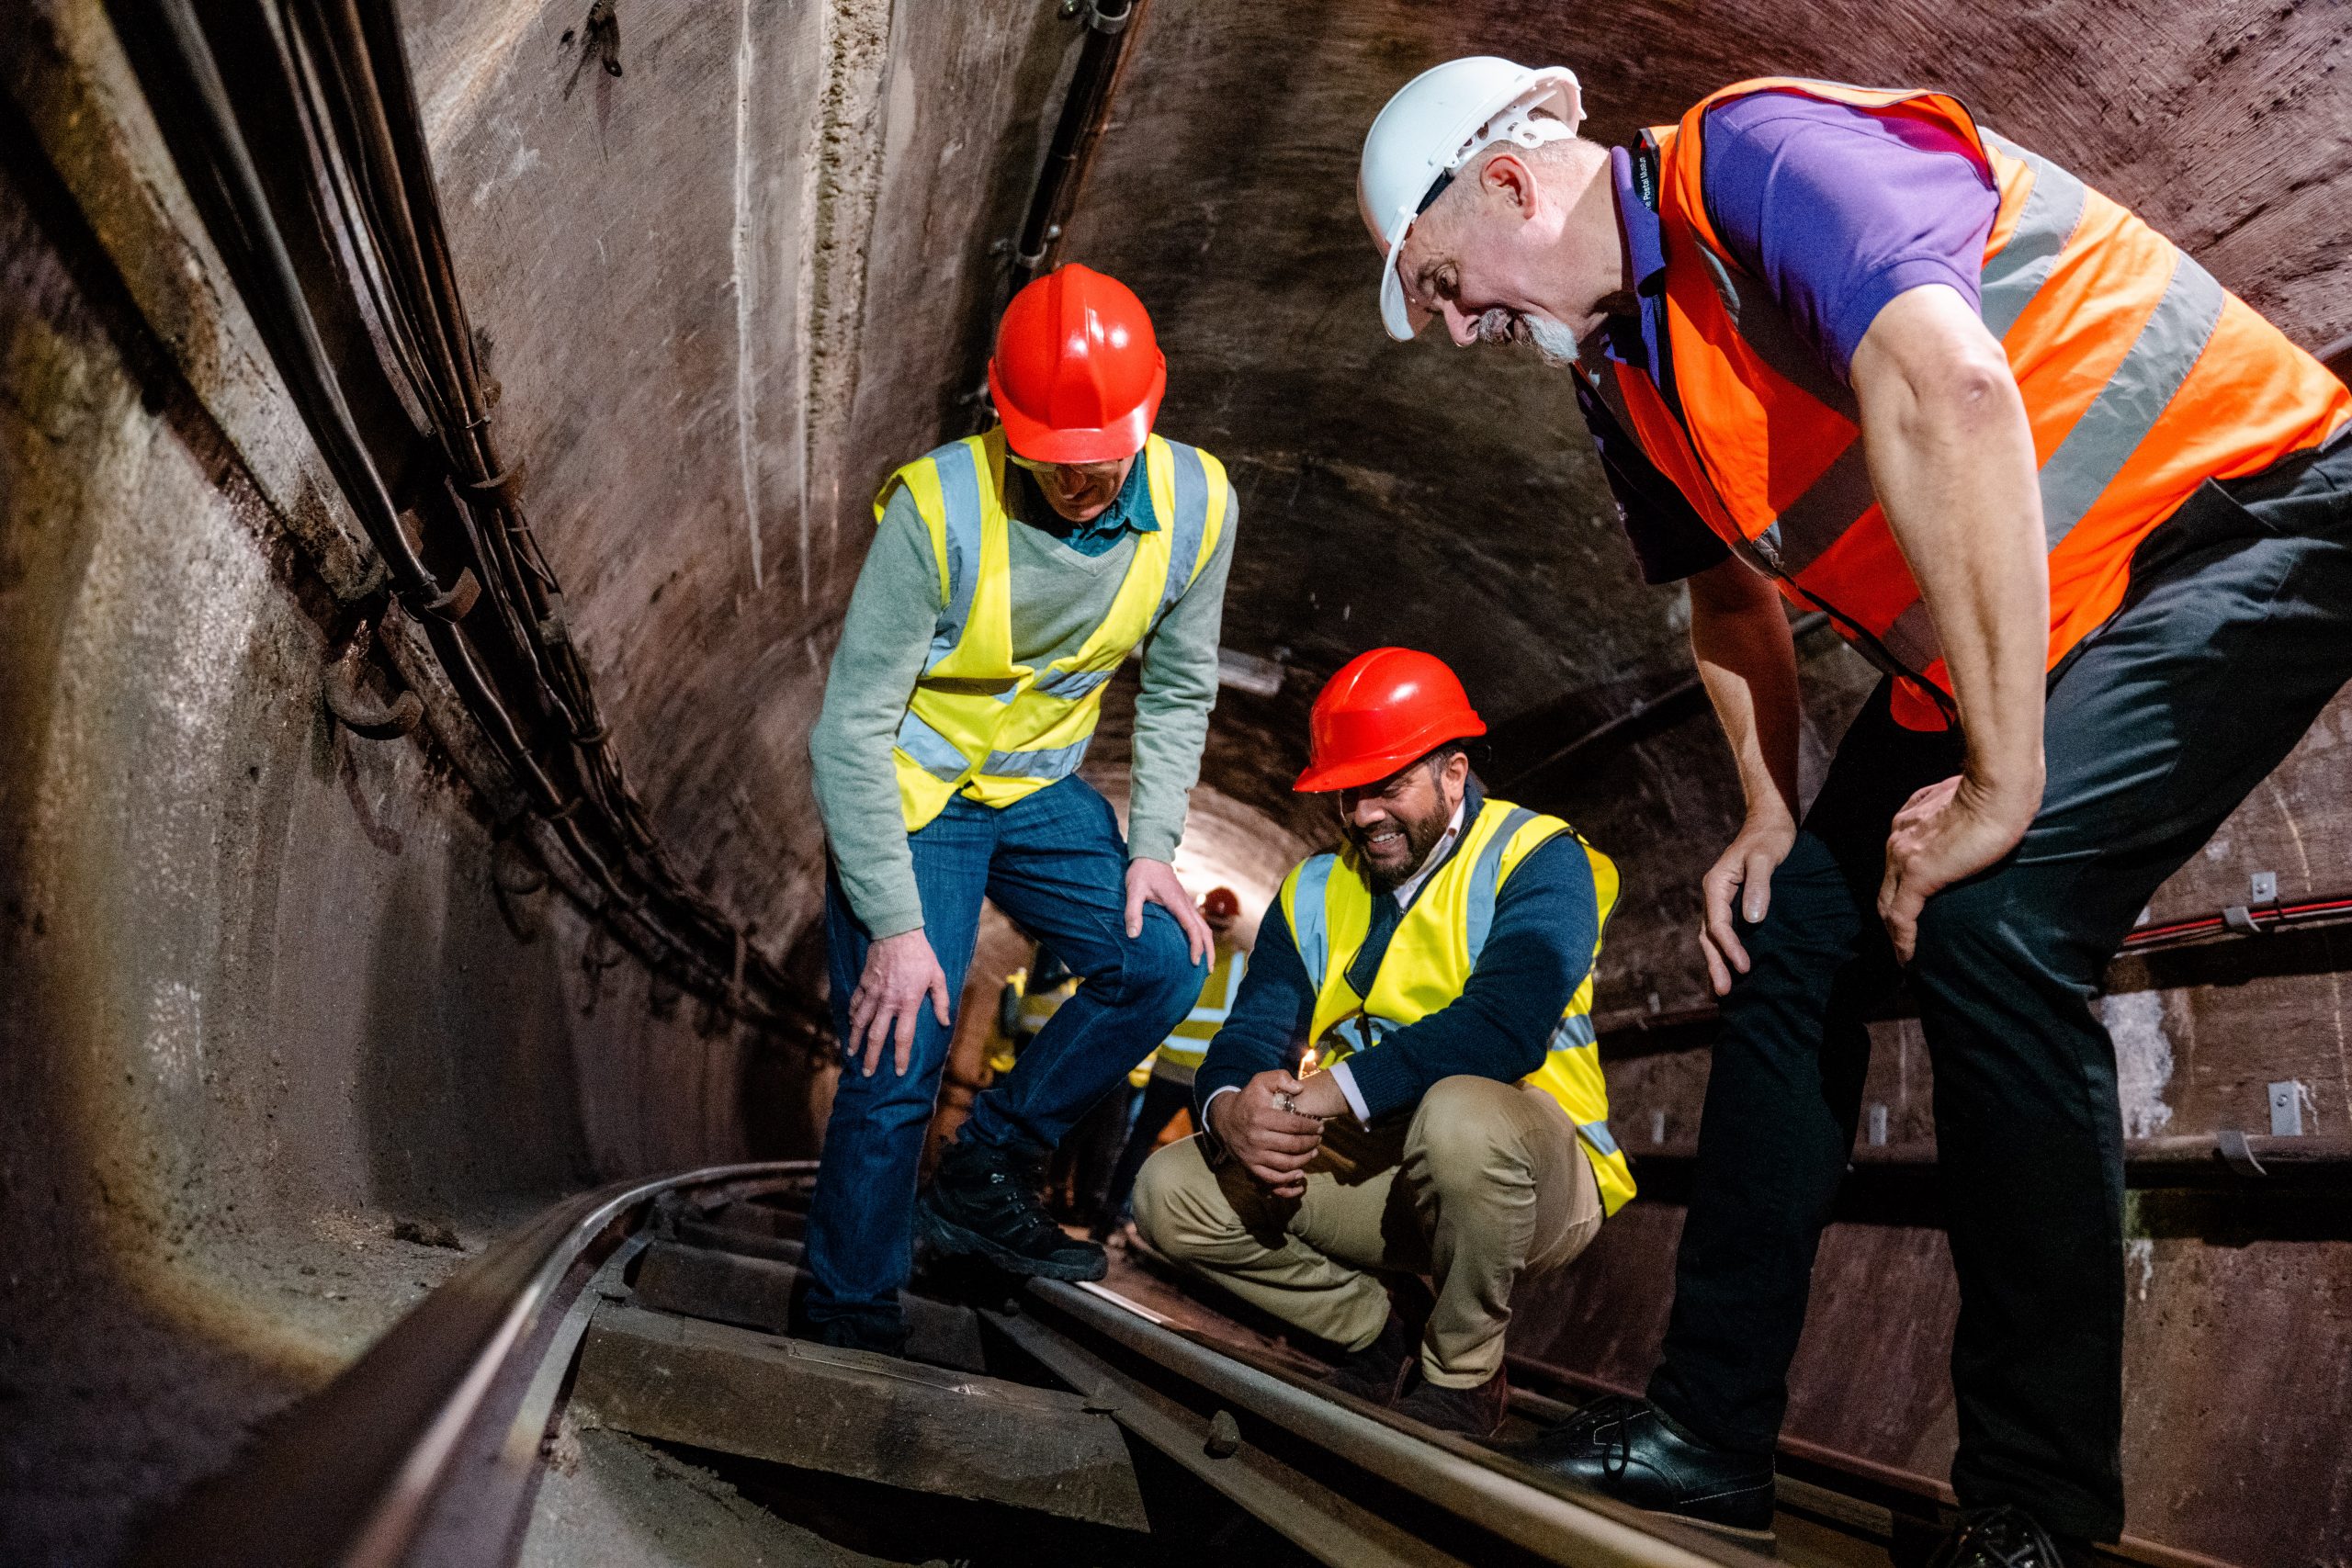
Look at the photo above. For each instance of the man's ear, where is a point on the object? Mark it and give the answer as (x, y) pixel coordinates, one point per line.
(1508, 175)
(1457, 778)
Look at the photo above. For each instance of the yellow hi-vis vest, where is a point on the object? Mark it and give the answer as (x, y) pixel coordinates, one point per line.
(978, 723)
(1037, 1007)
(1436, 944)
(1179, 1056)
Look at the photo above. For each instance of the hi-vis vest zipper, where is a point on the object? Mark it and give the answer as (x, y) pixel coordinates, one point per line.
(1436, 944)
(2142, 376)
(978, 723)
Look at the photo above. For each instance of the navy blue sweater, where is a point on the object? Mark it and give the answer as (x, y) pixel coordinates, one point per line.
(1547, 923)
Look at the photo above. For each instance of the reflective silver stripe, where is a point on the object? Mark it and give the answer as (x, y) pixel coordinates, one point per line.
(1576, 1033)
(932, 752)
(1189, 524)
(2134, 398)
(2053, 209)
(1053, 762)
(960, 497)
(1485, 875)
(1309, 929)
(1596, 1133)
(1810, 524)
(1819, 518)
(1912, 640)
(1072, 683)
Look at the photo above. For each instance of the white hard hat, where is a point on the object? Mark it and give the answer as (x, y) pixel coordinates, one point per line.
(1435, 124)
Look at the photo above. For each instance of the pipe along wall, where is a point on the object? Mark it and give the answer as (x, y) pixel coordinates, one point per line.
(282, 1034)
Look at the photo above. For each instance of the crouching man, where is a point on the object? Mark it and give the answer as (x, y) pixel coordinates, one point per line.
(1440, 965)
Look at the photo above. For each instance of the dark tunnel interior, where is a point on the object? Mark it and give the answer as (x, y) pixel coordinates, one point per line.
(284, 1033)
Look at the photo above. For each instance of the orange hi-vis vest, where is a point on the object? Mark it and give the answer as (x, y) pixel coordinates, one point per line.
(2142, 376)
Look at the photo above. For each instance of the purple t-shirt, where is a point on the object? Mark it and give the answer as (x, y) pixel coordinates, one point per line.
(1837, 210)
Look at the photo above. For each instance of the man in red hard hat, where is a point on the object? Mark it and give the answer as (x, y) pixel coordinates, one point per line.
(1011, 574)
(1438, 970)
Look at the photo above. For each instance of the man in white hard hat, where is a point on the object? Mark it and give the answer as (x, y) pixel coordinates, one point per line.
(1848, 344)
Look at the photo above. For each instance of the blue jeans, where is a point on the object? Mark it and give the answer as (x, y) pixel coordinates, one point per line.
(1055, 865)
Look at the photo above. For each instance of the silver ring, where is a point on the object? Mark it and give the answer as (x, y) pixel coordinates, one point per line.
(1282, 1101)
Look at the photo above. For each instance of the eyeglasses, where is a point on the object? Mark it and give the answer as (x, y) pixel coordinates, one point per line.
(1085, 470)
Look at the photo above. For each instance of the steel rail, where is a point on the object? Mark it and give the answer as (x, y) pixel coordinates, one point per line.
(1447, 1474)
(1850, 1478)
(418, 1431)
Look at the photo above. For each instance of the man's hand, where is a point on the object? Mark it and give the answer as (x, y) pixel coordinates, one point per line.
(1742, 872)
(1952, 456)
(1154, 882)
(1272, 1145)
(901, 971)
(1943, 833)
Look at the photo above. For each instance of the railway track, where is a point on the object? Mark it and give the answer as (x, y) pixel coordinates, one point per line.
(1127, 1422)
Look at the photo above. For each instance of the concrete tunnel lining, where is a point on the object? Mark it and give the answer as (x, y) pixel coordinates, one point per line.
(265, 1004)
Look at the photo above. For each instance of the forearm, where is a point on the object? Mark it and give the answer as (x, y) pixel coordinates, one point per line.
(1179, 688)
(1951, 457)
(885, 636)
(1739, 636)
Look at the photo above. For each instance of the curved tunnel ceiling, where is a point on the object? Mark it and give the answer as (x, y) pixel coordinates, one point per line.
(732, 283)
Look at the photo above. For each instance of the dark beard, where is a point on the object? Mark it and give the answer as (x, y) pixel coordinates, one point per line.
(1420, 839)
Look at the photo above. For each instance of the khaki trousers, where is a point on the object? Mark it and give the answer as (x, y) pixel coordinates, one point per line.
(1484, 1184)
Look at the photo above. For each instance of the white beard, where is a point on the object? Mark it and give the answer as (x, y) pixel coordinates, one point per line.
(1555, 343)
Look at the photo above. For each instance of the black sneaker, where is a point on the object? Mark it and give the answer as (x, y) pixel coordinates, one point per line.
(1375, 1375)
(983, 1203)
(2002, 1536)
(1629, 1450)
(1474, 1412)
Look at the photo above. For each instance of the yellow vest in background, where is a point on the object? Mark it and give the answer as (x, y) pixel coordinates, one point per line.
(980, 724)
(1179, 1056)
(1436, 944)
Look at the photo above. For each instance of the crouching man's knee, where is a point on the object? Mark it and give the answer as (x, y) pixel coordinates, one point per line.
(1463, 1132)
(1178, 1206)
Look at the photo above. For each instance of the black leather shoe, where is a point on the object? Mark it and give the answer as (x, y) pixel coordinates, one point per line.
(1376, 1373)
(983, 1203)
(1627, 1449)
(2003, 1536)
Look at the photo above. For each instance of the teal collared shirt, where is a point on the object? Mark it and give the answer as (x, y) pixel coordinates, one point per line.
(1130, 511)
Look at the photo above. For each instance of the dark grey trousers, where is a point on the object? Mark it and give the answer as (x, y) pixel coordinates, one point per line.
(2237, 630)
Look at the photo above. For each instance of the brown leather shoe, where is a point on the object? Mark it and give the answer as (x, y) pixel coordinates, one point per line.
(1375, 1375)
(1473, 1412)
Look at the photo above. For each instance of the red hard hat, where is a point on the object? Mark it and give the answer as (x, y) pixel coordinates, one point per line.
(1221, 904)
(1078, 374)
(1383, 710)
